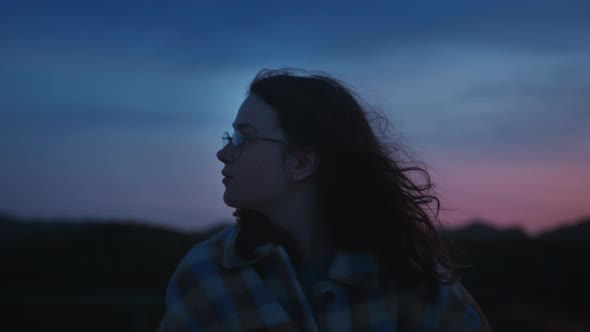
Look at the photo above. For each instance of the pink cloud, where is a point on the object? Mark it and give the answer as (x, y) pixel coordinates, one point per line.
(535, 196)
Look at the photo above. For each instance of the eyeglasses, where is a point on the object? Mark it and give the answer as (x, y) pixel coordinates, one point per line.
(238, 140)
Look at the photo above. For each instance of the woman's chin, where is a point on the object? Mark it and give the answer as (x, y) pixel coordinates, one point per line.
(230, 201)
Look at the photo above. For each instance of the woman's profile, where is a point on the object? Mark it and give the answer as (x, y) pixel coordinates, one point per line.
(332, 234)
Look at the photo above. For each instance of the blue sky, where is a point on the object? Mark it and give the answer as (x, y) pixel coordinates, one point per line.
(116, 108)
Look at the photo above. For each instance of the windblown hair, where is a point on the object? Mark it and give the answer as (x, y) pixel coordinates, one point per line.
(369, 200)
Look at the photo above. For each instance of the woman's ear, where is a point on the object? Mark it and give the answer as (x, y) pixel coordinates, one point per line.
(307, 161)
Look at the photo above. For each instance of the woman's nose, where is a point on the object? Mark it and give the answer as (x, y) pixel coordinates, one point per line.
(224, 154)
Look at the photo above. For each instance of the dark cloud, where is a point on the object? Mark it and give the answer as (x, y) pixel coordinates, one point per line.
(547, 108)
(95, 118)
(192, 38)
(550, 103)
(198, 35)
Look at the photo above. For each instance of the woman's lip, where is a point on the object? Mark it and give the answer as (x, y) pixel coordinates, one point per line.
(225, 179)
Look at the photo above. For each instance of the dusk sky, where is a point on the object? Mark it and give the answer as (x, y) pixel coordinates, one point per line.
(115, 109)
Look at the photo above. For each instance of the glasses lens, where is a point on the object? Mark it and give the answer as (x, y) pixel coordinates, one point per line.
(225, 139)
(237, 139)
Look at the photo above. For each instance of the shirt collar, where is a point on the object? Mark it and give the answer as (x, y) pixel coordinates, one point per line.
(232, 259)
(353, 269)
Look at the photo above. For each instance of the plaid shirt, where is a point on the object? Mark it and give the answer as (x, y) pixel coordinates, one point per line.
(215, 289)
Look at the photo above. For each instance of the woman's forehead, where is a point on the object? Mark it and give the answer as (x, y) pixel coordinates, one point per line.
(256, 115)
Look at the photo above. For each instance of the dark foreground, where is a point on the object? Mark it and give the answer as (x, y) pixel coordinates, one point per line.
(112, 276)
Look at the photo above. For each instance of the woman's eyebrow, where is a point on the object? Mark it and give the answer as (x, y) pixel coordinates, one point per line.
(243, 125)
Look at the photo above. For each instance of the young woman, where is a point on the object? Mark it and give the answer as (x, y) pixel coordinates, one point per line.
(332, 232)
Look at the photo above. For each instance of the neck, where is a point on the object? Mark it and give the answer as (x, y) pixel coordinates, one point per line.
(301, 217)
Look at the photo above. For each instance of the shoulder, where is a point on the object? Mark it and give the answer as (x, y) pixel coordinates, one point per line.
(462, 310)
(208, 251)
(452, 309)
(202, 258)
(196, 279)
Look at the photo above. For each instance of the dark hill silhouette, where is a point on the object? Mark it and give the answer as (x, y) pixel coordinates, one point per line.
(66, 274)
(87, 275)
(103, 258)
(579, 232)
(481, 231)
(513, 276)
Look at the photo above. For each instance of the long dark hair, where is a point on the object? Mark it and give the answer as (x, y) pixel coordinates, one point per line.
(369, 199)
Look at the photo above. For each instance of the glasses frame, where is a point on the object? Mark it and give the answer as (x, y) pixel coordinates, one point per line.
(238, 140)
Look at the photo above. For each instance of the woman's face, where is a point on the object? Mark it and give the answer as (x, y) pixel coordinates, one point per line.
(257, 178)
